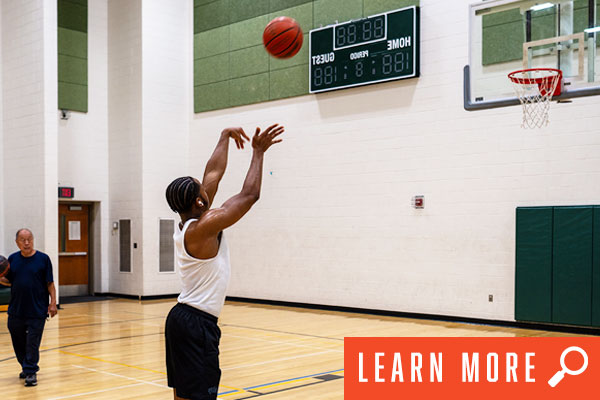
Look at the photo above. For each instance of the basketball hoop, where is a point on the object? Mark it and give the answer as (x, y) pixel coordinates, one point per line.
(535, 88)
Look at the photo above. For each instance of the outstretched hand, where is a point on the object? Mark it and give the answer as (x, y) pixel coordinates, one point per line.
(262, 141)
(238, 135)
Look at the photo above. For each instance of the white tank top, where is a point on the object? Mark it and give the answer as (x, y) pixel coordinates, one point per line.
(203, 282)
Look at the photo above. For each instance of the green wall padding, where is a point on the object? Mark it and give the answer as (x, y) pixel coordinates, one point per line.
(231, 67)
(572, 266)
(596, 269)
(4, 295)
(533, 281)
(72, 55)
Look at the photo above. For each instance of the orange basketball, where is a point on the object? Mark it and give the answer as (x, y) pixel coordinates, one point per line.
(282, 37)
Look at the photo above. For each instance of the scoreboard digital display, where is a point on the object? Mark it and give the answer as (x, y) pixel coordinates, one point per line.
(379, 48)
(66, 192)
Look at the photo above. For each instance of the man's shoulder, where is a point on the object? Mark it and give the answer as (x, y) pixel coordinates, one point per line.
(42, 256)
(13, 256)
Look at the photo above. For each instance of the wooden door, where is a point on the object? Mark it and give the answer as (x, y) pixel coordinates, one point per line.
(73, 256)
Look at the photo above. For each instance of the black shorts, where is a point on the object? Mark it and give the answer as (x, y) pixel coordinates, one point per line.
(192, 343)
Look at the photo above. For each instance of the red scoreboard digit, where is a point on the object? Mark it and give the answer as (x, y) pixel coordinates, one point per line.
(66, 192)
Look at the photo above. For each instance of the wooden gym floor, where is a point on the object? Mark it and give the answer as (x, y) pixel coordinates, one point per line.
(114, 349)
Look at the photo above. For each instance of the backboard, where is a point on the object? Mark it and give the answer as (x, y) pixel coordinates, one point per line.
(508, 35)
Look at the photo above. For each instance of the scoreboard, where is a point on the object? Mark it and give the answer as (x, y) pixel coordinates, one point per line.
(379, 48)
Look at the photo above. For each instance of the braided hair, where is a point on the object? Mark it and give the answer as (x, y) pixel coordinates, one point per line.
(181, 194)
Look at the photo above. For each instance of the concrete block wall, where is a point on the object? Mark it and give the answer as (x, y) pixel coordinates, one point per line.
(83, 143)
(125, 137)
(335, 224)
(166, 97)
(29, 122)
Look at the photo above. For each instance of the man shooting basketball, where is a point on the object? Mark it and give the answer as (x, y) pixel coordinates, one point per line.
(191, 332)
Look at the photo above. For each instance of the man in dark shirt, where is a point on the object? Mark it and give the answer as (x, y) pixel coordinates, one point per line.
(31, 281)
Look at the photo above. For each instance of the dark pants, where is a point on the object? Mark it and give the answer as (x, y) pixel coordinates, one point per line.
(192, 349)
(26, 334)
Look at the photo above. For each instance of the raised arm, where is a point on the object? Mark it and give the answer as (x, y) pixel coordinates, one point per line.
(233, 209)
(216, 165)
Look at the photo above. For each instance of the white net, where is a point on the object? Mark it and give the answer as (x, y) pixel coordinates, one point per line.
(535, 88)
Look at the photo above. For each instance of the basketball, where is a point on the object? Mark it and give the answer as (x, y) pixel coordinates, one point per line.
(4, 266)
(282, 37)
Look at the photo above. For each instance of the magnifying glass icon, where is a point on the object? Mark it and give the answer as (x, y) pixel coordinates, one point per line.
(561, 374)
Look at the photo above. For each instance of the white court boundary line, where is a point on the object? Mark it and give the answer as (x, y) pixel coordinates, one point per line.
(96, 391)
(140, 382)
(121, 376)
(277, 360)
(282, 342)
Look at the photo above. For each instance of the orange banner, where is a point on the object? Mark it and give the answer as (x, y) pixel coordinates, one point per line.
(471, 368)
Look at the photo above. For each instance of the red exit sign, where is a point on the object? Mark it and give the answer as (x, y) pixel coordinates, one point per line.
(66, 192)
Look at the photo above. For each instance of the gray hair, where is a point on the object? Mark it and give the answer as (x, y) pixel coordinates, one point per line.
(21, 230)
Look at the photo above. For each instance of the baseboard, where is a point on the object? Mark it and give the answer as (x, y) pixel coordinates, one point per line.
(432, 317)
(400, 314)
(134, 297)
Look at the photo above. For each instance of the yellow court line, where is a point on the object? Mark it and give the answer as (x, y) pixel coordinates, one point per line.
(131, 366)
(111, 362)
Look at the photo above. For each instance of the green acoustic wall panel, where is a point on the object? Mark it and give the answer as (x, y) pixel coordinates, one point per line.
(289, 82)
(543, 24)
(503, 36)
(228, 37)
(596, 269)
(72, 70)
(198, 3)
(212, 96)
(212, 42)
(247, 33)
(327, 12)
(246, 9)
(278, 5)
(249, 89)
(510, 24)
(303, 14)
(572, 266)
(250, 61)
(533, 275)
(72, 97)
(72, 15)
(72, 43)
(212, 15)
(72, 55)
(373, 7)
(211, 69)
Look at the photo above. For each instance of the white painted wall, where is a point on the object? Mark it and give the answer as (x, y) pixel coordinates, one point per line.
(83, 142)
(167, 62)
(29, 123)
(335, 225)
(125, 137)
